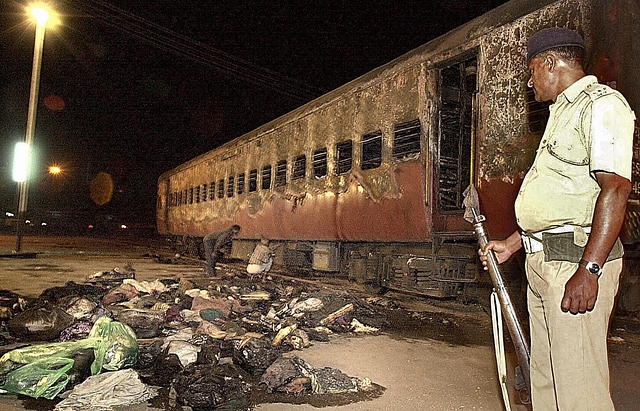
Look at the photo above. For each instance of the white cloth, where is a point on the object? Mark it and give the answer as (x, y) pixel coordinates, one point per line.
(110, 389)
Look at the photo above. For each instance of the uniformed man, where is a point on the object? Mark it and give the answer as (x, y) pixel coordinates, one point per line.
(570, 209)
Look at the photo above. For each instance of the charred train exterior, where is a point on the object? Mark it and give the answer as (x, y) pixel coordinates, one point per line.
(368, 180)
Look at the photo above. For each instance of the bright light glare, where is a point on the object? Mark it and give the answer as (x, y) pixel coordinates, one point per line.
(20, 162)
(123, 226)
(41, 15)
(55, 170)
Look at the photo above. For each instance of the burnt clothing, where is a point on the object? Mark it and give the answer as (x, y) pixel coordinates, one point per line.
(590, 129)
(213, 244)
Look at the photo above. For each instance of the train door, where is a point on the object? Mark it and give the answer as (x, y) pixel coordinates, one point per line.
(457, 87)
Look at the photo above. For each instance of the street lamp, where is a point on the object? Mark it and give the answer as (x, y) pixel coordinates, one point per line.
(42, 15)
(55, 170)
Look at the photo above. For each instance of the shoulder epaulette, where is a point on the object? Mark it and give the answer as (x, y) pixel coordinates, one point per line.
(596, 90)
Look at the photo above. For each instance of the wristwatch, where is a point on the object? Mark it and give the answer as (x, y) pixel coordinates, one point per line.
(592, 267)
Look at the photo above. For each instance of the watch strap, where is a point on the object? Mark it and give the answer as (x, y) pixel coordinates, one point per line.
(593, 268)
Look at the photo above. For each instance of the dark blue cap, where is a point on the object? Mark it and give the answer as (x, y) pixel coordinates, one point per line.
(551, 38)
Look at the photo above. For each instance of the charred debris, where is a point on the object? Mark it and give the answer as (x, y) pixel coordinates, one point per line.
(203, 344)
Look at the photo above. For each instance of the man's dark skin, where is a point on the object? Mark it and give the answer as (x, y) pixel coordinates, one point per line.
(551, 74)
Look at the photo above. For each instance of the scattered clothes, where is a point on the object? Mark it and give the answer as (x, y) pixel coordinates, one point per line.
(81, 308)
(284, 371)
(43, 323)
(255, 355)
(145, 323)
(294, 375)
(358, 327)
(76, 331)
(187, 353)
(213, 387)
(103, 391)
(124, 292)
(117, 275)
(210, 346)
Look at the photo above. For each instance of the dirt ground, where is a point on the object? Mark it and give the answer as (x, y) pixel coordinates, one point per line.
(441, 358)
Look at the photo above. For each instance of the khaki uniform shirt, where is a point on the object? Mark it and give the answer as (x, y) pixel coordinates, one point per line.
(590, 129)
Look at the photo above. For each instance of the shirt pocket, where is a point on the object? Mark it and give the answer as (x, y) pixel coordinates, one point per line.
(568, 148)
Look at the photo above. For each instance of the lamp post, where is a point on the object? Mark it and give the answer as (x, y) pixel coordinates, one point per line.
(41, 16)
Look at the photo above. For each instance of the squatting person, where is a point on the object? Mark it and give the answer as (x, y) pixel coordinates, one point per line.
(261, 259)
(570, 210)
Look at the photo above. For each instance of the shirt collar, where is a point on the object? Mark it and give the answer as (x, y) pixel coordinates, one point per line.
(574, 90)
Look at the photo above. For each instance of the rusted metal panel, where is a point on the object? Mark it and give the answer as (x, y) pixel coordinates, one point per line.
(403, 218)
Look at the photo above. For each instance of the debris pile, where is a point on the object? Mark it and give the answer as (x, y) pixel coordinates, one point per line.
(208, 346)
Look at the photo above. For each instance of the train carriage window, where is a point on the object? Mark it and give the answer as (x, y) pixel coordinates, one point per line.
(253, 180)
(212, 190)
(221, 188)
(204, 192)
(406, 140)
(344, 156)
(266, 177)
(537, 113)
(230, 182)
(457, 88)
(299, 167)
(320, 163)
(240, 183)
(371, 150)
(281, 173)
(197, 194)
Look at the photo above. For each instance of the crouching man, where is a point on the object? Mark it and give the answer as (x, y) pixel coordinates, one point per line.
(261, 259)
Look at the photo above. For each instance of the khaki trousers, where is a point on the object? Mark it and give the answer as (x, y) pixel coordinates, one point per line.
(569, 362)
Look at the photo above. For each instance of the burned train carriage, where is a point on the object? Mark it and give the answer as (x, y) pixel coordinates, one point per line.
(368, 180)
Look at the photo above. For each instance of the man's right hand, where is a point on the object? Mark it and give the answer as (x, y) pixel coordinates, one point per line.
(503, 250)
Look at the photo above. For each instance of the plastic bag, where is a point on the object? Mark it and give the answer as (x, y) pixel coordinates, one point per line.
(42, 370)
(117, 345)
(44, 378)
(40, 323)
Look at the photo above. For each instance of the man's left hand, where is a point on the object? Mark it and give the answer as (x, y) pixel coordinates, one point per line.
(580, 292)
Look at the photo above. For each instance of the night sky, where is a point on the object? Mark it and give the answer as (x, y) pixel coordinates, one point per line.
(135, 88)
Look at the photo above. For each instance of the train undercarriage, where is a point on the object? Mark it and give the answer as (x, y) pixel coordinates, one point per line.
(447, 268)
